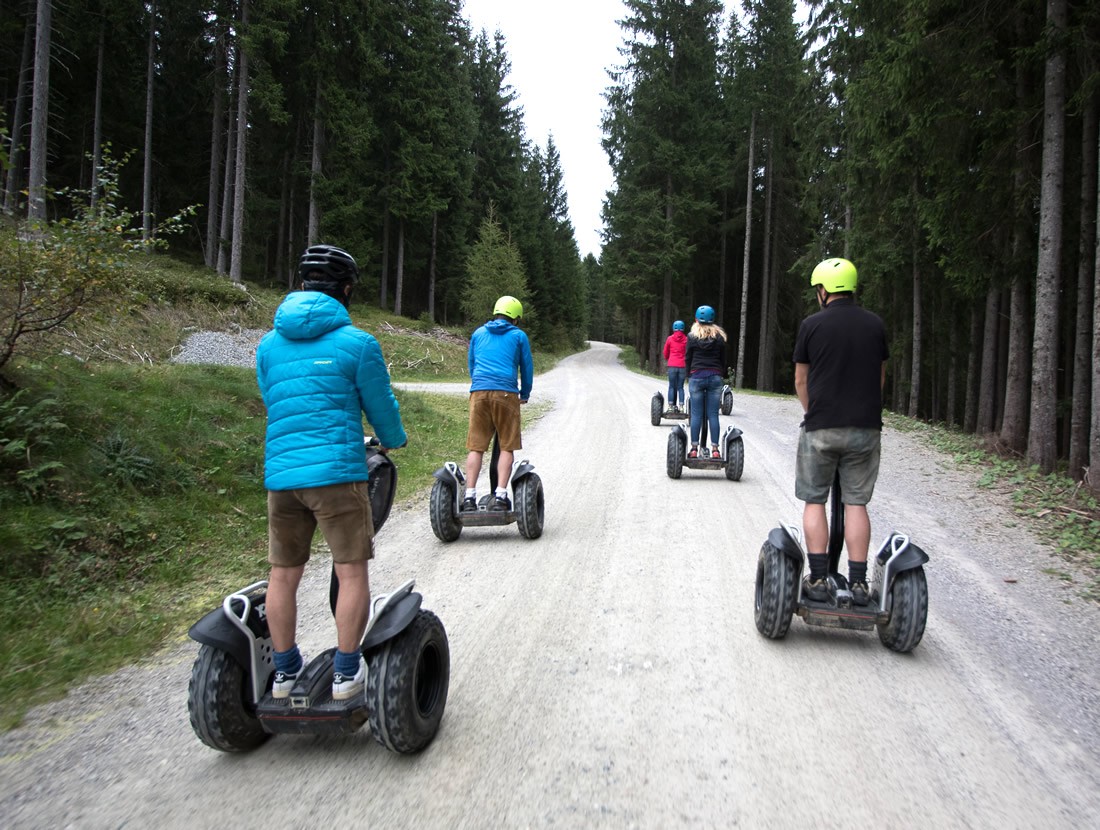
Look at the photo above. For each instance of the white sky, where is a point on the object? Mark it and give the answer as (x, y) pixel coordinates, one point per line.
(560, 52)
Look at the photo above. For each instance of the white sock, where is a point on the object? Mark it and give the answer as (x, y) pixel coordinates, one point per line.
(502, 492)
(471, 493)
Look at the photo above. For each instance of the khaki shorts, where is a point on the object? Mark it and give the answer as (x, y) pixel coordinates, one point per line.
(821, 452)
(341, 510)
(494, 412)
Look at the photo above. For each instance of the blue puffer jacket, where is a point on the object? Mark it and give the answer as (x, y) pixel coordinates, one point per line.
(318, 374)
(497, 350)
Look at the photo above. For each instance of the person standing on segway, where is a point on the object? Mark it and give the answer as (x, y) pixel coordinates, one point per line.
(499, 351)
(839, 373)
(675, 346)
(705, 364)
(318, 375)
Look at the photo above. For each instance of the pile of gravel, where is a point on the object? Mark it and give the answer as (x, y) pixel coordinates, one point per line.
(221, 348)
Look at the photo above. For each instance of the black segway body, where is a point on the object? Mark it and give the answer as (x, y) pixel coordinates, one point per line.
(899, 591)
(732, 459)
(657, 410)
(528, 501)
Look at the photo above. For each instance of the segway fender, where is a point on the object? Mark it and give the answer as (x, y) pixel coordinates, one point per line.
(522, 470)
(731, 433)
(911, 557)
(393, 620)
(450, 474)
(680, 433)
(780, 538)
(215, 630)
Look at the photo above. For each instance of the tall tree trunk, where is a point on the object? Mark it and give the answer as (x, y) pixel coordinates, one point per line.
(652, 349)
(722, 257)
(1094, 434)
(1082, 368)
(19, 117)
(399, 277)
(384, 280)
(988, 389)
(952, 371)
(242, 146)
(1042, 433)
(147, 178)
(216, 126)
(918, 324)
(97, 118)
(665, 316)
(314, 228)
(740, 381)
(284, 211)
(291, 253)
(762, 355)
(431, 264)
(973, 370)
(227, 193)
(40, 104)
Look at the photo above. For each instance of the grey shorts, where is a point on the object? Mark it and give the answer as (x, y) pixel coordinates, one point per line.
(852, 450)
(342, 511)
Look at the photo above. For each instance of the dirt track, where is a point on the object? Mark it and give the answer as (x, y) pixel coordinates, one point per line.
(609, 674)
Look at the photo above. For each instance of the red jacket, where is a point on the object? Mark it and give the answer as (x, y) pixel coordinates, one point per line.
(675, 346)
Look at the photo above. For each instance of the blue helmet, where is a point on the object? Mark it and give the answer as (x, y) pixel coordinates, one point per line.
(704, 314)
(678, 325)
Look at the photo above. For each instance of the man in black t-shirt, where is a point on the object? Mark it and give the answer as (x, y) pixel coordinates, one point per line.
(839, 372)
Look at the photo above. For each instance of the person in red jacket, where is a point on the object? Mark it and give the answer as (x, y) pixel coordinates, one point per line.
(675, 347)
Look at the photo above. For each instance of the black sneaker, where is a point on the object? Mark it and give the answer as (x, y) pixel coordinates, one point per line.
(815, 589)
(469, 503)
(500, 504)
(861, 593)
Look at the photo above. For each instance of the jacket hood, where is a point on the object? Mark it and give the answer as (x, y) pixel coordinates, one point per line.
(306, 315)
(499, 326)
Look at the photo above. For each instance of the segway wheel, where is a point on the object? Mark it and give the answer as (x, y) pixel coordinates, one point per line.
(530, 506)
(908, 611)
(656, 409)
(407, 680)
(776, 592)
(674, 458)
(735, 459)
(441, 505)
(217, 703)
(727, 401)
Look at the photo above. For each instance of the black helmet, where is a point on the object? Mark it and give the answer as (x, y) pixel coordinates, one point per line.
(336, 264)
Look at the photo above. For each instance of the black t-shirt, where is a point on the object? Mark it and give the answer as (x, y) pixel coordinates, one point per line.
(705, 355)
(845, 346)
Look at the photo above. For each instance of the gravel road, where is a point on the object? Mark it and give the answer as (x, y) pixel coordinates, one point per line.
(609, 673)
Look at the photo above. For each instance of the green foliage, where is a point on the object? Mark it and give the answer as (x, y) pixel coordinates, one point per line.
(493, 269)
(27, 434)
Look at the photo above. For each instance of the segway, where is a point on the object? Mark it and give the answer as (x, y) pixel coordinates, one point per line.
(657, 410)
(229, 697)
(732, 459)
(726, 405)
(899, 592)
(528, 501)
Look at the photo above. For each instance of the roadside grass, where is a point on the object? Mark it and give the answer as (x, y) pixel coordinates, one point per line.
(1062, 512)
(132, 487)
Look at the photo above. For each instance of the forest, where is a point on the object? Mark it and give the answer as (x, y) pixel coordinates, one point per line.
(947, 147)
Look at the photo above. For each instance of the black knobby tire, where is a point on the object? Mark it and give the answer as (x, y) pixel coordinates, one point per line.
(776, 592)
(441, 505)
(727, 402)
(674, 460)
(217, 703)
(908, 612)
(530, 506)
(656, 409)
(735, 459)
(407, 680)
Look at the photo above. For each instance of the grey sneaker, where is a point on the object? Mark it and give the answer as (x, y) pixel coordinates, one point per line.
(816, 590)
(861, 593)
(500, 504)
(469, 503)
(344, 687)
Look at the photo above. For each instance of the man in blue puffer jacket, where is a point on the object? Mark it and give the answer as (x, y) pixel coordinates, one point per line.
(318, 376)
(498, 351)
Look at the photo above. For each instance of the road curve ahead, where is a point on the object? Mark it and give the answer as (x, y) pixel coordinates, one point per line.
(609, 674)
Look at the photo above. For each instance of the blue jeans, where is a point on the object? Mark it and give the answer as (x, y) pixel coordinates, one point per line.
(676, 384)
(706, 398)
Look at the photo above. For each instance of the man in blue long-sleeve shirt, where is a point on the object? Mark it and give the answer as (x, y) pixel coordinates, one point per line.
(499, 351)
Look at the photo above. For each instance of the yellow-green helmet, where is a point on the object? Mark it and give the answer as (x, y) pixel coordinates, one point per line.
(509, 306)
(836, 275)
